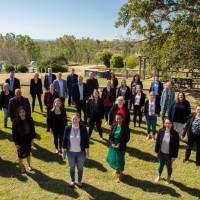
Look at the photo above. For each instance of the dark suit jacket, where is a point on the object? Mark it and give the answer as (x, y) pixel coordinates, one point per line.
(173, 144)
(16, 136)
(124, 136)
(142, 99)
(113, 112)
(36, 88)
(12, 107)
(16, 83)
(2, 101)
(84, 137)
(146, 107)
(46, 81)
(76, 93)
(160, 87)
(127, 95)
(90, 109)
(63, 122)
(95, 83)
(69, 81)
(188, 124)
(111, 97)
(47, 96)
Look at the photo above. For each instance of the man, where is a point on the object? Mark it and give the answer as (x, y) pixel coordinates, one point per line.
(71, 80)
(92, 83)
(16, 102)
(13, 82)
(61, 86)
(49, 78)
(80, 94)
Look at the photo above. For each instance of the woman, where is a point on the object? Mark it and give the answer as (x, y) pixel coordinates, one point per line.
(118, 137)
(138, 100)
(119, 107)
(179, 111)
(75, 141)
(23, 134)
(108, 98)
(36, 90)
(95, 113)
(114, 82)
(49, 97)
(136, 81)
(192, 128)
(167, 97)
(6, 95)
(58, 121)
(151, 112)
(166, 148)
(124, 91)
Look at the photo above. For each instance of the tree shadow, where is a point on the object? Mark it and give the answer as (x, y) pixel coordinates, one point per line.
(96, 193)
(9, 169)
(52, 185)
(40, 124)
(148, 186)
(46, 155)
(94, 164)
(104, 142)
(139, 132)
(40, 113)
(5, 136)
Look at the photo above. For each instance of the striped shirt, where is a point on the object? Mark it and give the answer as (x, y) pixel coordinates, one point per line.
(75, 141)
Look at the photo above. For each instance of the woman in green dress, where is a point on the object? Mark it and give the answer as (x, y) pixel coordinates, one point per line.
(118, 137)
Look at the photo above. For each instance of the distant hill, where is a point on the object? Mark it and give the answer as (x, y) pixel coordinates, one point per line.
(43, 41)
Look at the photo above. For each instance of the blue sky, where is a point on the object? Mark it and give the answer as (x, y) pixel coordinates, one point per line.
(50, 19)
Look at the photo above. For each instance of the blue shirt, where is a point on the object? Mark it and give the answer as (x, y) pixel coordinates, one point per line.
(50, 78)
(11, 84)
(156, 88)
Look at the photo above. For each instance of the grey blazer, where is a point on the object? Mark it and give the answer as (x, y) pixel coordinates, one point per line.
(57, 87)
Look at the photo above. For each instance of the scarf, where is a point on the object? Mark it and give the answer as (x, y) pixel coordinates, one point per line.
(152, 107)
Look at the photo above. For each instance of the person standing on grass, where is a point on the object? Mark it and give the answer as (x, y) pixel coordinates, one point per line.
(75, 147)
(95, 113)
(36, 90)
(166, 148)
(23, 134)
(151, 112)
(49, 78)
(108, 98)
(92, 83)
(118, 137)
(13, 82)
(114, 82)
(6, 95)
(57, 123)
(179, 111)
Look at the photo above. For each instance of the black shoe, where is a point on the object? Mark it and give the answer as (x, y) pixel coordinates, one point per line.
(184, 160)
(5, 125)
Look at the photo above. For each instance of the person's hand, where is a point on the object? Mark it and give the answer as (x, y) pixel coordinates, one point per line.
(142, 108)
(101, 120)
(145, 118)
(51, 131)
(40, 95)
(113, 146)
(110, 126)
(31, 95)
(32, 142)
(117, 147)
(66, 97)
(132, 107)
(17, 146)
(157, 155)
(63, 155)
(173, 159)
(182, 137)
(87, 153)
(88, 119)
(156, 115)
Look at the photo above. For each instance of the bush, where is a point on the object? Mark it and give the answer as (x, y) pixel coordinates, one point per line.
(22, 68)
(55, 68)
(59, 59)
(105, 58)
(116, 61)
(131, 61)
(9, 68)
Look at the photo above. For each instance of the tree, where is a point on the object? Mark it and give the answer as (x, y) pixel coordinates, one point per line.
(131, 61)
(169, 28)
(105, 58)
(116, 61)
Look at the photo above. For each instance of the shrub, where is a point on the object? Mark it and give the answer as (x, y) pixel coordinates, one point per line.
(131, 61)
(105, 58)
(22, 68)
(59, 59)
(9, 68)
(55, 68)
(116, 61)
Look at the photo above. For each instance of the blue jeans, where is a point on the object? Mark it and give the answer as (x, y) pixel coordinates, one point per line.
(6, 115)
(164, 158)
(73, 158)
(151, 121)
(107, 111)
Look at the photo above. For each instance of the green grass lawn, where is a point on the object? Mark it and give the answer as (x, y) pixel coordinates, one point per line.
(50, 177)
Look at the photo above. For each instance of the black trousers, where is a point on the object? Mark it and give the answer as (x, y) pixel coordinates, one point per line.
(82, 104)
(70, 97)
(62, 101)
(191, 140)
(98, 122)
(58, 134)
(137, 111)
(33, 101)
(48, 111)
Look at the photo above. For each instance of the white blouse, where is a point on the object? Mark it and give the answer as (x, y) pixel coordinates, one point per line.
(137, 99)
(75, 141)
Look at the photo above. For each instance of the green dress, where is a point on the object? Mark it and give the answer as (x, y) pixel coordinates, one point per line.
(115, 157)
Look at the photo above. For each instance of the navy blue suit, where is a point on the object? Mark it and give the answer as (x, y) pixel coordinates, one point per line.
(160, 87)
(16, 83)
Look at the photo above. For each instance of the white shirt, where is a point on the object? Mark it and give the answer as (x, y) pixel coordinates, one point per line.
(75, 141)
(165, 143)
(81, 91)
(156, 88)
(137, 99)
(61, 88)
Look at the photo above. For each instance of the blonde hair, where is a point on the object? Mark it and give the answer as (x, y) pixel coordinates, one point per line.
(75, 114)
(137, 88)
(120, 98)
(54, 107)
(37, 74)
(108, 81)
(6, 84)
(152, 93)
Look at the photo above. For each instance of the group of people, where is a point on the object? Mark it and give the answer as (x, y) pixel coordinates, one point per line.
(113, 104)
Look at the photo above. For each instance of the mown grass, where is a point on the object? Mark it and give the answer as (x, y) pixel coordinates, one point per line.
(50, 177)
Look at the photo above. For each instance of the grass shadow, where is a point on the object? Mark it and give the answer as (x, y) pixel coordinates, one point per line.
(40, 113)
(94, 164)
(40, 124)
(5, 136)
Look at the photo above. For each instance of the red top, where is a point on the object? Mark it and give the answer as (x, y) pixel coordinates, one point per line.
(121, 111)
(107, 101)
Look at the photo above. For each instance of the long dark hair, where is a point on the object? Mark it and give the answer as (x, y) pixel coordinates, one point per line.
(135, 76)
(20, 126)
(172, 128)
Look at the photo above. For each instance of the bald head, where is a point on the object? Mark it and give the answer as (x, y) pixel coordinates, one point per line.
(91, 75)
(18, 93)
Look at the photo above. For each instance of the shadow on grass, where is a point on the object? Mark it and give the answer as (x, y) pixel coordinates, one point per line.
(40, 113)
(104, 142)
(5, 136)
(94, 164)
(52, 185)
(46, 155)
(40, 124)
(148, 186)
(96, 193)
(9, 169)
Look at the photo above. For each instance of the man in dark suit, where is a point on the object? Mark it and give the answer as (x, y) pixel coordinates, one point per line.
(49, 78)
(16, 102)
(92, 83)
(71, 80)
(13, 82)
(80, 94)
